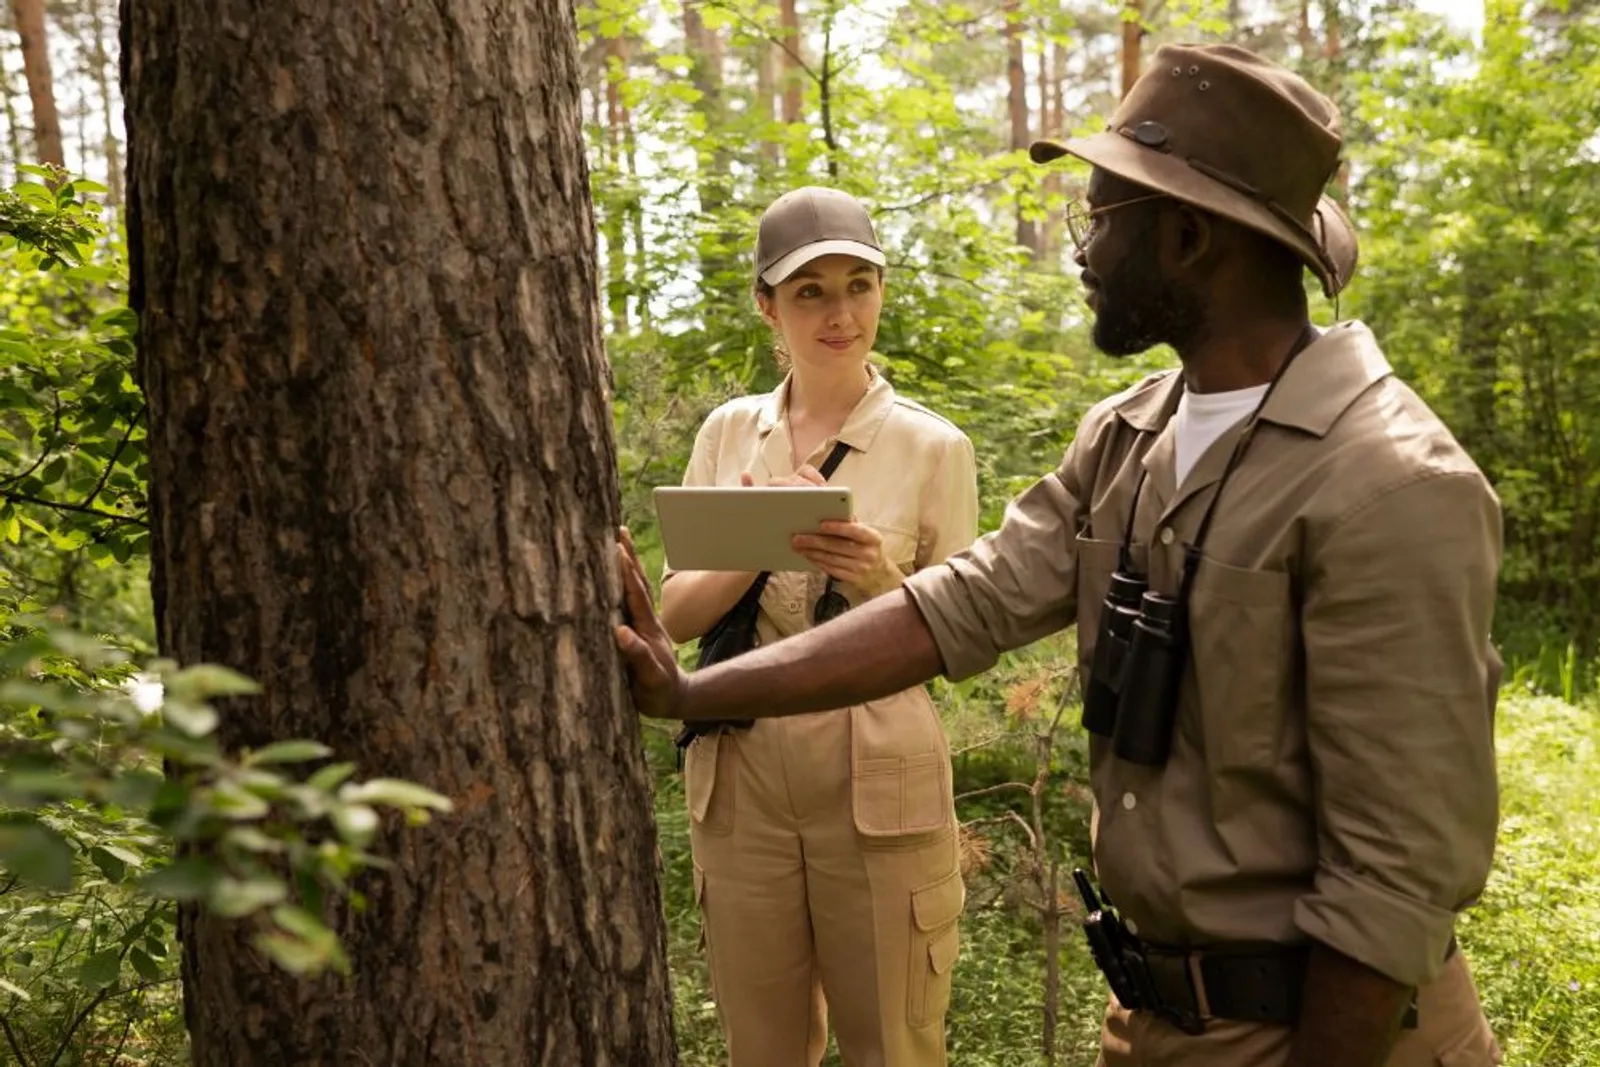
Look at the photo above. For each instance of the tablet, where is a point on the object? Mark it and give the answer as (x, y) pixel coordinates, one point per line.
(736, 528)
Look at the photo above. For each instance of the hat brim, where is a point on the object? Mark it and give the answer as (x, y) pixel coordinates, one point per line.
(781, 270)
(1173, 176)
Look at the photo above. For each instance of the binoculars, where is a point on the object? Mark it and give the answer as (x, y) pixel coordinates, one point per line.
(1137, 671)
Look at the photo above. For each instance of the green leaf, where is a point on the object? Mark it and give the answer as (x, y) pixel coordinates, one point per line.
(210, 680)
(330, 776)
(144, 966)
(36, 853)
(111, 866)
(233, 897)
(185, 879)
(195, 720)
(101, 969)
(356, 823)
(289, 752)
(395, 792)
(294, 956)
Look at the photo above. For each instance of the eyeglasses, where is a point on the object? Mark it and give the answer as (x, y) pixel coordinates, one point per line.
(830, 605)
(1082, 219)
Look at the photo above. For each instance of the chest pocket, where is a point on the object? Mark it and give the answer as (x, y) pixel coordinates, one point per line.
(1242, 625)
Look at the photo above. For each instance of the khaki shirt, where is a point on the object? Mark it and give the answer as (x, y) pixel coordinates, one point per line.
(912, 474)
(1332, 773)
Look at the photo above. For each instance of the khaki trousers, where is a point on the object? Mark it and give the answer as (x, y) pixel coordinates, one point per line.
(1451, 1032)
(805, 917)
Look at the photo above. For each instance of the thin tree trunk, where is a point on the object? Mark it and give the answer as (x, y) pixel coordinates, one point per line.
(13, 122)
(1050, 126)
(791, 76)
(616, 234)
(1333, 54)
(383, 482)
(1017, 105)
(766, 90)
(1132, 37)
(1307, 43)
(29, 18)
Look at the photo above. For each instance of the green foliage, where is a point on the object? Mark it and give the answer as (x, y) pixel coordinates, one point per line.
(1481, 198)
(72, 450)
(117, 804)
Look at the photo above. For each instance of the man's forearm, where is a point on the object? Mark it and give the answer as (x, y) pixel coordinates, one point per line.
(879, 648)
(1350, 1015)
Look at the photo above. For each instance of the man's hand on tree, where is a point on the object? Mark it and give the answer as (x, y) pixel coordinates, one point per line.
(659, 684)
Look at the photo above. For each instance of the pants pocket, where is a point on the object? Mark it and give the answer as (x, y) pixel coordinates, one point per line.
(935, 944)
(700, 906)
(709, 782)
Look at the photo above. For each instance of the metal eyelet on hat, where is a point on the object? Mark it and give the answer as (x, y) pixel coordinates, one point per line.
(1176, 71)
(1204, 86)
(1193, 71)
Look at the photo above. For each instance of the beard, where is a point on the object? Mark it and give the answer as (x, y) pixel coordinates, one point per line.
(1139, 308)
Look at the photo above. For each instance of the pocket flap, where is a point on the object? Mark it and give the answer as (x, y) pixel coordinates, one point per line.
(938, 903)
(942, 950)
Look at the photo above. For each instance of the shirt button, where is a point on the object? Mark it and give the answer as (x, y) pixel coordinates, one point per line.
(1167, 535)
(1129, 801)
(1133, 927)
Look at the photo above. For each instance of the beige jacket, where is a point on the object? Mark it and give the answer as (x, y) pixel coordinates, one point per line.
(1332, 774)
(913, 477)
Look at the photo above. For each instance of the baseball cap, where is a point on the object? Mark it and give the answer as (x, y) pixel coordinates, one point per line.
(809, 222)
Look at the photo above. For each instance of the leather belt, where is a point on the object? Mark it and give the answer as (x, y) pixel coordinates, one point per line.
(1262, 985)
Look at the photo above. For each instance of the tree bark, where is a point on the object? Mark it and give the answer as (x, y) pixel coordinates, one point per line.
(100, 59)
(1132, 37)
(792, 76)
(766, 91)
(384, 484)
(29, 18)
(1017, 105)
(1051, 62)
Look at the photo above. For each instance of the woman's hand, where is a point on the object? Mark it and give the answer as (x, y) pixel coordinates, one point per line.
(807, 475)
(851, 552)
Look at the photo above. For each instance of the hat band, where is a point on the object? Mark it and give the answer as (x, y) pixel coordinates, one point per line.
(1239, 185)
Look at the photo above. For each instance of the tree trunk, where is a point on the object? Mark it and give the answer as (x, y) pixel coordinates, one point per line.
(1017, 104)
(1303, 35)
(766, 91)
(1052, 60)
(1333, 54)
(792, 75)
(383, 483)
(13, 123)
(616, 234)
(1132, 36)
(29, 17)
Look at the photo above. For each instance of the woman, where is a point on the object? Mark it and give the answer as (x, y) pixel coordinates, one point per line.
(825, 851)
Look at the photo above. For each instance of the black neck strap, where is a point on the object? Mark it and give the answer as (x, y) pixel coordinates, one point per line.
(829, 465)
(1192, 552)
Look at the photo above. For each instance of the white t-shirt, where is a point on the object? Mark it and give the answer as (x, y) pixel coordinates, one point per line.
(1201, 418)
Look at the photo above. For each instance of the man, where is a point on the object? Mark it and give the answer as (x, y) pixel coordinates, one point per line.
(1293, 772)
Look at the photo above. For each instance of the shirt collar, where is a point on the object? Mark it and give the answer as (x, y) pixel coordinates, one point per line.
(859, 430)
(1323, 380)
(1148, 405)
(1326, 378)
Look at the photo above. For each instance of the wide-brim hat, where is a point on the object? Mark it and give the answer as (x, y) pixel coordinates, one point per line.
(1232, 133)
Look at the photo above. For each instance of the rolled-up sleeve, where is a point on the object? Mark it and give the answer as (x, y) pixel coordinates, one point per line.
(1398, 602)
(1013, 586)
